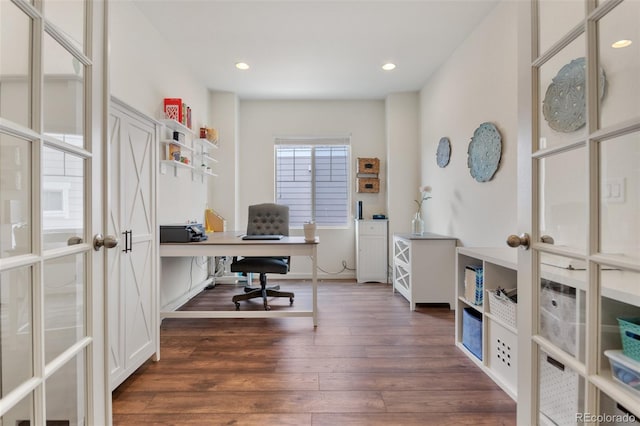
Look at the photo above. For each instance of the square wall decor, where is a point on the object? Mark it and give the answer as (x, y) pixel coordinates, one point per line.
(368, 185)
(368, 166)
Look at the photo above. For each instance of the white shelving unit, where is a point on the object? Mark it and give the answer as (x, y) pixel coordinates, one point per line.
(499, 338)
(423, 268)
(167, 140)
(202, 158)
(371, 250)
(198, 151)
(563, 342)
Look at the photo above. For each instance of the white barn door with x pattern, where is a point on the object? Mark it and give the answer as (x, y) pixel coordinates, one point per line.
(132, 269)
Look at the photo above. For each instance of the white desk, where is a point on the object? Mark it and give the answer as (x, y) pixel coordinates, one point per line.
(231, 244)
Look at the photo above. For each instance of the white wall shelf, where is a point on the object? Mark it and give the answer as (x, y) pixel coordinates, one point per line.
(174, 125)
(204, 172)
(203, 161)
(175, 163)
(198, 151)
(175, 142)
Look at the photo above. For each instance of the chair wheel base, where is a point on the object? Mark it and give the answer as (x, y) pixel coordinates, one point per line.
(264, 292)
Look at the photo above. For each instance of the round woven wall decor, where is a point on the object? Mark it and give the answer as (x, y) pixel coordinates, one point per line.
(485, 150)
(443, 154)
(564, 104)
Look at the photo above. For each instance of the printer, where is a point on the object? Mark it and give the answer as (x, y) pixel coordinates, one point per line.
(182, 233)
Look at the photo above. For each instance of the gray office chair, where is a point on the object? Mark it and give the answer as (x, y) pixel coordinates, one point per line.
(264, 219)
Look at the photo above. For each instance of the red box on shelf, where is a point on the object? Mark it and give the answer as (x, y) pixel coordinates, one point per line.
(173, 108)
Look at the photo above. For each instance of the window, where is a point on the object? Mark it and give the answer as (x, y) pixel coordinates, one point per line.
(313, 180)
(55, 199)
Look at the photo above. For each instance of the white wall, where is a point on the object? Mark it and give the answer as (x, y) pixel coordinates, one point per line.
(223, 194)
(261, 121)
(144, 71)
(403, 159)
(477, 84)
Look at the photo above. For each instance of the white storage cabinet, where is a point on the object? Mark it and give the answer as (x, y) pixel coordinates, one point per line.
(371, 251)
(424, 268)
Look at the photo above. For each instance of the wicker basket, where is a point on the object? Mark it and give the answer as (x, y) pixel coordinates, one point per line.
(630, 332)
(502, 308)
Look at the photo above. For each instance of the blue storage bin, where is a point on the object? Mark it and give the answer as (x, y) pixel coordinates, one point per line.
(472, 331)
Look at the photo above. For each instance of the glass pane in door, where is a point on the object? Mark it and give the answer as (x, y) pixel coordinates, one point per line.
(620, 197)
(556, 19)
(65, 397)
(63, 94)
(561, 392)
(563, 198)
(619, 318)
(562, 96)
(63, 220)
(64, 303)
(20, 414)
(612, 413)
(619, 59)
(563, 303)
(16, 328)
(15, 196)
(15, 65)
(620, 307)
(68, 16)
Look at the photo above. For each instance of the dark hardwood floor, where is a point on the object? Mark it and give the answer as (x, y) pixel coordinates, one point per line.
(370, 361)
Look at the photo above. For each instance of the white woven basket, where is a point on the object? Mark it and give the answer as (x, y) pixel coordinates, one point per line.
(559, 391)
(502, 308)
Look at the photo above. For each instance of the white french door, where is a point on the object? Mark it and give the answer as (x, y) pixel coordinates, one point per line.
(579, 184)
(52, 90)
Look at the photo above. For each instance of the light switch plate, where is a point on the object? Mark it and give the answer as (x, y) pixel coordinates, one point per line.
(613, 190)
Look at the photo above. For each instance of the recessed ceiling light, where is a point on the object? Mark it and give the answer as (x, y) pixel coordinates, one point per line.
(388, 66)
(242, 65)
(621, 43)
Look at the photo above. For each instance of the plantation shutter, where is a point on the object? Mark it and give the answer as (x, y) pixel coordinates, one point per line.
(313, 180)
(293, 182)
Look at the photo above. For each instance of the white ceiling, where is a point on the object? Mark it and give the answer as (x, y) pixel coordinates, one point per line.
(305, 49)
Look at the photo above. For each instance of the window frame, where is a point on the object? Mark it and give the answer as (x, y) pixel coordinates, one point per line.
(313, 143)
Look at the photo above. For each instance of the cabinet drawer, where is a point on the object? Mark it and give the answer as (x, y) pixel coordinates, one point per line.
(372, 228)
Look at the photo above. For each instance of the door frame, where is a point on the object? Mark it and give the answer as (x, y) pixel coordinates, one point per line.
(98, 361)
(94, 57)
(526, 414)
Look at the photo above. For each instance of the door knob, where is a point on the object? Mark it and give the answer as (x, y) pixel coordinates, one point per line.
(72, 241)
(518, 241)
(547, 239)
(108, 242)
